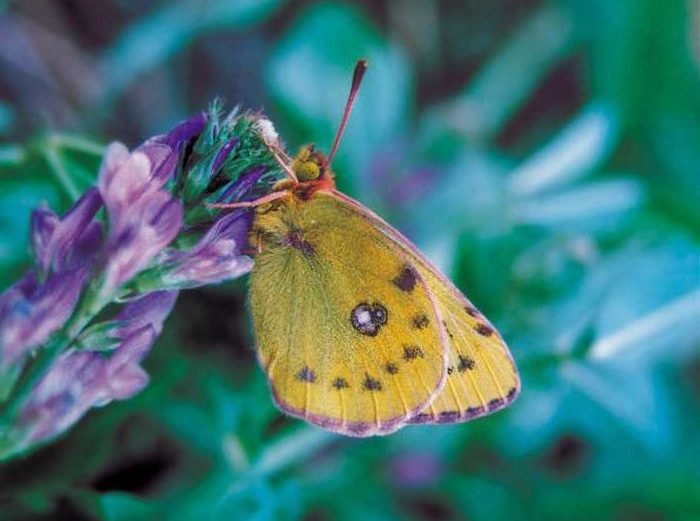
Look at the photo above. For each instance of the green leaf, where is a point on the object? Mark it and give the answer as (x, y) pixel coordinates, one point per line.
(585, 143)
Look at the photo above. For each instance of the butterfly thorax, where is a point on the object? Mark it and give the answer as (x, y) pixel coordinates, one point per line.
(279, 222)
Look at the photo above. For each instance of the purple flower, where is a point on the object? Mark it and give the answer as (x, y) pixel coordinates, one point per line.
(143, 219)
(66, 243)
(94, 361)
(30, 313)
(218, 256)
(152, 309)
(80, 380)
(43, 224)
(183, 133)
(40, 303)
(124, 180)
(243, 185)
(164, 151)
(223, 153)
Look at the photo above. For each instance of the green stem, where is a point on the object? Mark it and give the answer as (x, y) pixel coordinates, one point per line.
(52, 158)
(76, 143)
(36, 369)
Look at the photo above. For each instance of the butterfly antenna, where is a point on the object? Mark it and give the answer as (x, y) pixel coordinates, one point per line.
(360, 68)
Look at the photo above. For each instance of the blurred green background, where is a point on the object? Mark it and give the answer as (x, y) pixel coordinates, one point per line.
(544, 153)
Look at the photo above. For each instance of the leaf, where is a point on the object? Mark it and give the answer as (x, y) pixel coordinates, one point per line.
(652, 308)
(598, 206)
(583, 144)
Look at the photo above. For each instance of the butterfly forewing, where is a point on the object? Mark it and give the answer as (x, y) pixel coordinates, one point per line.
(481, 374)
(347, 329)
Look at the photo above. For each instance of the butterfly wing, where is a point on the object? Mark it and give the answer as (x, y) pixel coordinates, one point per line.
(337, 309)
(482, 377)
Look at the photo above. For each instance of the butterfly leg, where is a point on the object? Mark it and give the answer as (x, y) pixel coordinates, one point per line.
(280, 151)
(249, 204)
(258, 247)
(275, 154)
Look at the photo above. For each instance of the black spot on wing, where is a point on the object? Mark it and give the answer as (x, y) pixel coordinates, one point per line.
(447, 330)
(465, 363)
(391, 368)
(483, 329)
(371, 384)
(448, 416)
(379, 314)
(406, 279)
(496, 403)
(471, 311)
(474, 411)
(421, 417)
(412, 352)
(368, 319)
(340, 383)
(420, 321)
(305, 374)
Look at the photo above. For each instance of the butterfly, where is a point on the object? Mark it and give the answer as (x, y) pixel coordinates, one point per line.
(357, 331)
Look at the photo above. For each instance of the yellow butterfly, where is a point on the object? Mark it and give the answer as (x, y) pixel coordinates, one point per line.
(357, 331)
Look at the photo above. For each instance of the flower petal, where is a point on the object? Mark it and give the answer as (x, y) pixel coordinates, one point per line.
(43, 224)
(151, 309)
(28, 319)
(164, 151)
(218, 256)
(54, 240)
(152, 224)
(243, 185)
(80, 380)
(223, 153)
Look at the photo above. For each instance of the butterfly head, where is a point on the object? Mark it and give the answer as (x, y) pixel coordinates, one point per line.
(310, 164)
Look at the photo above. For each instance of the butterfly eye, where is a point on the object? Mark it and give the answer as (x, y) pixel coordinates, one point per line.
(307, 171)
(307, 166)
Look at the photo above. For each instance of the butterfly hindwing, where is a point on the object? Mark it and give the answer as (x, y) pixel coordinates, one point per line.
(347, 330)
(482, 376)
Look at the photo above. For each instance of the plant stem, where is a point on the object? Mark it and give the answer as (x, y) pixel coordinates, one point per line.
(30, 377)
